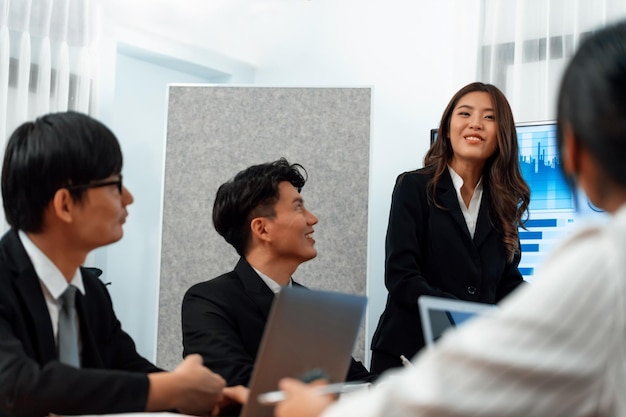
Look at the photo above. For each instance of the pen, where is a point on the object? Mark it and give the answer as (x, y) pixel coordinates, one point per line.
(273, 397)
(407, 363)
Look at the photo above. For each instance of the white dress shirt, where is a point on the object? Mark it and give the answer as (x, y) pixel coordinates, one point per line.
(554, 348)
(273, 285)
(470, 213)
(52, 281)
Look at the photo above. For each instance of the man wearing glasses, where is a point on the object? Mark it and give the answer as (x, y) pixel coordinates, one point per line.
(62, 349)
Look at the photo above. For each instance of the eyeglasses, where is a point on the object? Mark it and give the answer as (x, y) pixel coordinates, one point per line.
(97, 185)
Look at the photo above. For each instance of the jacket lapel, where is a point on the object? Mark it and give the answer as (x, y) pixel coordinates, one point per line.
(449, 199)
(31, 295)
(90, 357)
(255, 287)
(483, 223)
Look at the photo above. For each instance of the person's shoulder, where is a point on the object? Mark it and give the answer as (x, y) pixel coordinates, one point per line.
(220, 283)
(95, 286)
(91, 276)
(586, 269)
(618, 223)
(411, 181)
(421, 175)
(13, 256)
(615, 239)
(590, 247)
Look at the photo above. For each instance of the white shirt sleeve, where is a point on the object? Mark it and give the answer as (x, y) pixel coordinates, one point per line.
(554, 348)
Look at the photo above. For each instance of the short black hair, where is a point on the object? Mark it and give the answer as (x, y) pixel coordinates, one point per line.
(52, 152)
(592, 99)
(253, 192)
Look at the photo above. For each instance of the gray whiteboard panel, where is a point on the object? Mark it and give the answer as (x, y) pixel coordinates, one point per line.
(215, 131)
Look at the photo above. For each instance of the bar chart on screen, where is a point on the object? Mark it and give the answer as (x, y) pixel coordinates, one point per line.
(556, 210)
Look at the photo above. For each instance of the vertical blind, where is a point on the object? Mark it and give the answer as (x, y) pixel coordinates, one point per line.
(527, 43)
(47, 59)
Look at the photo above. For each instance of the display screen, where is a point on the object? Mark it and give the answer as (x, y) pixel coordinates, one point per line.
(555, 210)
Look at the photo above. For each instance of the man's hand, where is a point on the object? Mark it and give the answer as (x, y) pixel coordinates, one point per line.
(203, 387)
(232, 400)
(238, 394)
(302, 400)
(191, 388)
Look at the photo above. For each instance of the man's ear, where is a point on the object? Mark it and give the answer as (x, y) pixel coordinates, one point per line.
(62, 205)
(570, 153)
(259, 229)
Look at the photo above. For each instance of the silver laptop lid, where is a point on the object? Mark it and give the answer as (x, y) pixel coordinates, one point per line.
(307, 332)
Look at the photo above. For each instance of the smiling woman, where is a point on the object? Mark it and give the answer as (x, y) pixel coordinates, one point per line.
(452, 228)
(473, 139)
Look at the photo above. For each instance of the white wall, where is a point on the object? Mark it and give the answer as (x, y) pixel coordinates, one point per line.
(414, 54)
(141, 124)
(139, 71)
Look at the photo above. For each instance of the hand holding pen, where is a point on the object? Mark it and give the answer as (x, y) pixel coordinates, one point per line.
(318, 378)
(273, 397)
(302, 399)
(405, 362)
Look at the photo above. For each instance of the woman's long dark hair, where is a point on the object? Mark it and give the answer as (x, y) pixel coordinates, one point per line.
(510, 195)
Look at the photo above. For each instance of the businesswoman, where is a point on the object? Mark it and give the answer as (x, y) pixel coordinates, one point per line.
(452, 228)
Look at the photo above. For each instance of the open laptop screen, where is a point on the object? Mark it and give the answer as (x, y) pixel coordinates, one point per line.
(438, 314)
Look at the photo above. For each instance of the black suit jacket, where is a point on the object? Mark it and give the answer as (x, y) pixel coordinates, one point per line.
(429, 251)
(32, 380)
(223, 319)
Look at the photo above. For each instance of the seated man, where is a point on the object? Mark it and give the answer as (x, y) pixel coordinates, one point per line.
(262, 215)
(63, 197)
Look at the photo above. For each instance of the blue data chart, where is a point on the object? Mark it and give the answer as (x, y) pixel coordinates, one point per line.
(544, 231)
(553, 212)
(541, 168)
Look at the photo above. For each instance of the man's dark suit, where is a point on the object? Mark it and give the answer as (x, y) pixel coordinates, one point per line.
(32, 381)
(223, 319)
(429, 251)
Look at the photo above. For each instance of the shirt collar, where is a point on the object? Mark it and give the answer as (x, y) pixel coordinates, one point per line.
(458, 182)
(48, 273)
(273, 285)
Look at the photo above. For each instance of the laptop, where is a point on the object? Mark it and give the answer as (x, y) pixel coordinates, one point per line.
(309, 333)
(439, 314)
